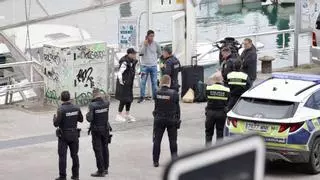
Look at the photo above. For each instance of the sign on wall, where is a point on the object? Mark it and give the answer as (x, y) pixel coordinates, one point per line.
(168, 5)
(127, 33)
(305, 15)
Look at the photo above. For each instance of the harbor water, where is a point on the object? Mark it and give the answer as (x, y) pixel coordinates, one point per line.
(214, 22)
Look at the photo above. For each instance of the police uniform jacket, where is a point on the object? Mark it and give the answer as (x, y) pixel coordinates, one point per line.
(226, 68)
(167, 105)
(68, 115)
(238, 83)
(217, 96)
(127, 70)
(98, 114)
(172, 67)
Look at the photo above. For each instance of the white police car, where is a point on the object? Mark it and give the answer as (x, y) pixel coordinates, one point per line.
(285, 110)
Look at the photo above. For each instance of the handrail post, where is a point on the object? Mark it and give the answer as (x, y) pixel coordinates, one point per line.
(283, 40)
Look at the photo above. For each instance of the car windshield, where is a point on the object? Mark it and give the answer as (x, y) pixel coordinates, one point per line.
(262, 108)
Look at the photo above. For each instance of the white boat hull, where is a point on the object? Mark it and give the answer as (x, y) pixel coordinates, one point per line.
(286, 1)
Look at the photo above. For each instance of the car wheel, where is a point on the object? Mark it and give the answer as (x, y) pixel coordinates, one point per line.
(314, 160)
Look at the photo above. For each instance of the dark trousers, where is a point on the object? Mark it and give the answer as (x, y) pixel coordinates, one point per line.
(158, 129)
(232, 101)
(214, 119)
(122, 104)
(101, 149)
(73, 145)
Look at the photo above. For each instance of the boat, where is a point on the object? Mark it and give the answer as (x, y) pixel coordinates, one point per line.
(209, 55)
(284, 1)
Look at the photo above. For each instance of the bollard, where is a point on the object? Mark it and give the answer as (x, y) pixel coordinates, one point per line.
(266, 64)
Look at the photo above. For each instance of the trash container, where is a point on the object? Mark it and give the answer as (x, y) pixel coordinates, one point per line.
(191, 75)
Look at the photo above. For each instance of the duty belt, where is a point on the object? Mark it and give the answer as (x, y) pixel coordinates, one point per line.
(166, 115)
(97, 128)
(70, 129)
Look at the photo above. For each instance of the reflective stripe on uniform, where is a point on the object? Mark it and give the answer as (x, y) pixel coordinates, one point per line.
(218, 98)
(217, 92)
(237, 78)
(218, 87)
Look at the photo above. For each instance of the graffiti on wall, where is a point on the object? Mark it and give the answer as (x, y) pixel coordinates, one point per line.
(97, 51)
(77, 69)
(86, 97)
(52, 97)
(84, 77)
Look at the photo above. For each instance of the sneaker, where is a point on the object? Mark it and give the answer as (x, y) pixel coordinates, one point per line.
(141, 100)
(130, 118)
(120, 118)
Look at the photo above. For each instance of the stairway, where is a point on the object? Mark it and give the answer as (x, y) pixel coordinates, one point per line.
(15, 83)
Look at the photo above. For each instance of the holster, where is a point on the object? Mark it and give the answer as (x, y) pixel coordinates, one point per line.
(110, 138)
(89, 130)
(59, 132)
(178, 124)
(79, 132)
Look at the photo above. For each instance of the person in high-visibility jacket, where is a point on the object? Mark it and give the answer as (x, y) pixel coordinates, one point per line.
(238, 83)
(217, 96)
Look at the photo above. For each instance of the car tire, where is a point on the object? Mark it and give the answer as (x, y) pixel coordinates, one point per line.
(313, 166)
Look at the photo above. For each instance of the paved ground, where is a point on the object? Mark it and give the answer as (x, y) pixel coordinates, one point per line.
(28, 147)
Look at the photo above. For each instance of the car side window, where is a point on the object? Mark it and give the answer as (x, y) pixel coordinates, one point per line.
(314, 101)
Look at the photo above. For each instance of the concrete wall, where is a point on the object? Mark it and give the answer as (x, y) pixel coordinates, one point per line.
(78, 69)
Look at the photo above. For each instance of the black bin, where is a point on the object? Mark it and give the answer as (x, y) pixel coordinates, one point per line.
(190, 76)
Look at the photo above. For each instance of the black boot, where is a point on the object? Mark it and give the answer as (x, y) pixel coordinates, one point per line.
(61, 178)
(155, 164)
(98, 174)
(75, 177)
(106, 171)
(208, 141)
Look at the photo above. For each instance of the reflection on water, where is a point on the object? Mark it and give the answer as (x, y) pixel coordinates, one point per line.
(216, 22)
(213, 22)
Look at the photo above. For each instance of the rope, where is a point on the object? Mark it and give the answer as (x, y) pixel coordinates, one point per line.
(27, 15)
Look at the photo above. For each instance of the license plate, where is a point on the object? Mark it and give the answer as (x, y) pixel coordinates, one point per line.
(257, 127)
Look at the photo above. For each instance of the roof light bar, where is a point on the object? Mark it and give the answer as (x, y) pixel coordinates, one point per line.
(302, 77)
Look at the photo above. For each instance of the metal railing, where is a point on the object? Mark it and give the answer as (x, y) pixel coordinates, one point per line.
(254, 38)
(17, 87)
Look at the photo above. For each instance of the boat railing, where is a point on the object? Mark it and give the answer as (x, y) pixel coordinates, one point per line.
(255, 38)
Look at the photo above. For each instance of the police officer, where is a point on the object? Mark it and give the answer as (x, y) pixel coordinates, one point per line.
(217, 95)
(227, 64)
(238, 83)
(171, 67)
(166, 116)
(98, 116)
(68, 135)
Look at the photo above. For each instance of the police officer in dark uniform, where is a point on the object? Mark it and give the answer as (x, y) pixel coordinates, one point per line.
(238, 83)
(98, 116)
(217, 95)
(227, 64)
(171, 67)
(68, 135)
(166, 116)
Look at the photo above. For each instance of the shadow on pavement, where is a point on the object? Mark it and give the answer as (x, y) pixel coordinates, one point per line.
(287, 169)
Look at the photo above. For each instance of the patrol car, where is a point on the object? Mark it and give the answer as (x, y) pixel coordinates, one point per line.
(285, 111)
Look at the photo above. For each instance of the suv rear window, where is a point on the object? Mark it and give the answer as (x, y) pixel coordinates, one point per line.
(263, 108)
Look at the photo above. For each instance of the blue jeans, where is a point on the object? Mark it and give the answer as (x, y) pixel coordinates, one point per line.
(145, 71)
